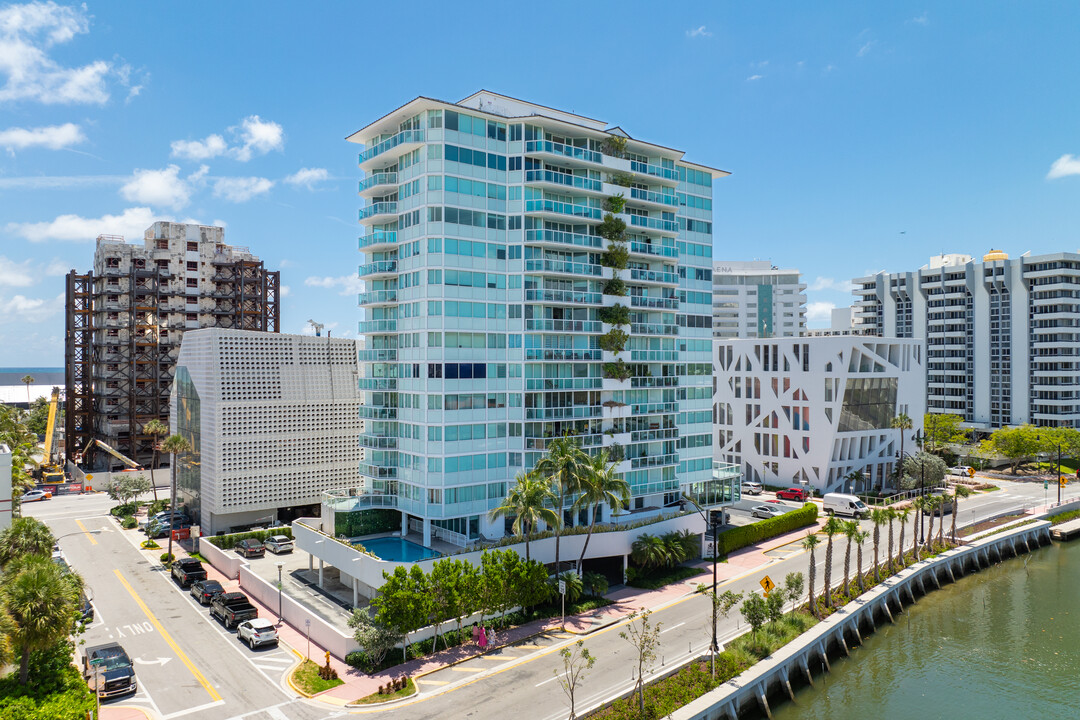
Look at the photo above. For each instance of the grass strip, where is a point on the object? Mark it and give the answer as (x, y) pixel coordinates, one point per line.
(306, 677)
(376, 698)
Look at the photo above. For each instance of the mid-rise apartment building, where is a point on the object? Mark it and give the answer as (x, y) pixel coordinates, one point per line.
(125, 320)
(756, 299)
(1002, 342)
(529, 272)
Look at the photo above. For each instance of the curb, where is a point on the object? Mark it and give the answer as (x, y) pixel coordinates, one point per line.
(289, 677)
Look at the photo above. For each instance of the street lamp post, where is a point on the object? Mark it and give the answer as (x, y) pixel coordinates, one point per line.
(279, 566)
(918, 437)
(710, 519)
(307, 626)
(1058, 478)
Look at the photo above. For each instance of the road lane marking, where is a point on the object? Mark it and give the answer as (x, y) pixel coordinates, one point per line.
(181, 713)
(667, 629)
(432, 682)
(545, 682)
(498, 657)
(465, 669)
(168, 639)
(93, 541)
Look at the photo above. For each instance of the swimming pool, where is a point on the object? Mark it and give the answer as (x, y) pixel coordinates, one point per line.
(397, 550)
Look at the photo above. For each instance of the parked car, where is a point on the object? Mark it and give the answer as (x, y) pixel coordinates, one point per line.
(794, 493)
(259, 631)
(35, 496)
(279, 544)
(751, 487)
(232, 608)
(161, 529)
(108, 670)
(250, 548)
(768, 511)
(965, 470)
(163, 517)
(206, 590)
(841, 504)
(187, 570)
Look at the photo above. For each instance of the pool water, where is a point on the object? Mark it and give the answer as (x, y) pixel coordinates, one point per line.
(397, 550)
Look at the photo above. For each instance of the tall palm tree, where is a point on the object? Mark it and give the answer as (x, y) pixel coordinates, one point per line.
(902, 516)
(41, 601)
(809, 543)
(860, 539)
(917, 507)
(851, 529)
(930, 507)
(890, 515)
(959, 491)
(833, 526)
(156, 429)
(26, 536)
(28, 380)
(529, 503)
(174, 445)
(902, 423)
(564, 464)
(877, 516)
(600, 484)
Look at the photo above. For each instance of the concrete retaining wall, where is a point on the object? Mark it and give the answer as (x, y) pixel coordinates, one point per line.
(227, 562)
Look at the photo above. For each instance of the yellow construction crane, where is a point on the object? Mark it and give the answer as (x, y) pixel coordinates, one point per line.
(51, 470)
(115, 453)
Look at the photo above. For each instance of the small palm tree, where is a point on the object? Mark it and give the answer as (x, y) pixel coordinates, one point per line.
(156, 429)
(917, 507)
(650, 551)
(41, 601)
(565, 465)
(851, 529)
(930, 505)
(528, 502)
(27, 536)
(600, 484)
(833, 526)
(890, 515)
(959, 491)
(809, 543)
(860, 539)
(174, 445)
(902, 516)
(28, 380)
(902, 423)
(877, 516)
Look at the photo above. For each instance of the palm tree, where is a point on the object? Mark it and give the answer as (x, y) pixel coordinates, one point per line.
(28, 380)
(27, 536)
(528, 502)
(833, 526)
(851, 529)
(156, 429)
(877, 516)
(42, 602)
(856, 477)
(809, 543)
(902, 423)
(174, 445)
(959, 491)
(860, 539)
(564, 464)
(917, 505)
(930, 506)
(890, 515)
(650, 551)
(600, 484)
(902, 516)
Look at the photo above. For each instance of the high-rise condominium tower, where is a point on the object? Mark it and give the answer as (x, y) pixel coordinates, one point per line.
(756, 299)
(529, 273)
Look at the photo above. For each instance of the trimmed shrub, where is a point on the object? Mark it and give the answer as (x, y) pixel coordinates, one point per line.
(125, 509)
(612, 228)
(617, 370)
(614, 315)
(615, 203)
(228, 542)
(615, 286)
(614, 340)
(167, 558)
(740, 537)
(128, 522)
(617, 257)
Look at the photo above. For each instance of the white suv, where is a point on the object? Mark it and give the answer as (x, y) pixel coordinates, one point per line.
(256, 632)
(751, 487)
(279, 544)
(962, 470)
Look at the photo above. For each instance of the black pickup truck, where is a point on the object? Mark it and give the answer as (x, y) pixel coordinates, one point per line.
(232, 608)
(187, 570)
(108, 670)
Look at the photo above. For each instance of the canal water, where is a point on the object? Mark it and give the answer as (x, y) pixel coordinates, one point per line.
(1001, 643)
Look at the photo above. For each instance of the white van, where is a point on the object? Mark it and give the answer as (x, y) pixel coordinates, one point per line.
(841, 504)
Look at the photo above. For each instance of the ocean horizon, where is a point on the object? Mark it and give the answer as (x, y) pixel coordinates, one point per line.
(31, 370)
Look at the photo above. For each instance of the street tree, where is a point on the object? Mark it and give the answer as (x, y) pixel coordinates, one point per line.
(174, 445)
(923, 470)
(890, 515)
(528, 503)
(23, 445)
(902, 423)
(877, 516)
(902, 516)
(577, 661)
(959, 491)
(376, 638)
(809, 543)
(930, 509)
(403, 602)
(793, 587)
(833, 526)
(599, 484)
(774, 606)
(645, 637)
(41, 599)
(489, 597)
(127, 487)
(448, 596)
(943, 429)
(861, 538)
(1017, 444)
(917, 505)
(851, 529)
(530, 584)
(564, 464)
(27, 536)
(856, 478)
(755, 612)
(157, 430)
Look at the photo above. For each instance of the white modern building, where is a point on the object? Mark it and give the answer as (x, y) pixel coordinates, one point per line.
(814, 410)
(1002, 337)
(840, 323)
(756, 299)
(272, 419)
(528, 273)
(7, 490)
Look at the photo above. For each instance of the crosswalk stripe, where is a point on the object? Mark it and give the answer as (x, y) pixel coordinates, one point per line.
(498, 657)
(432, 682)
(464, 669)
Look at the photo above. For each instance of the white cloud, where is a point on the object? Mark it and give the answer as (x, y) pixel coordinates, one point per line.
(284, 291)
(699, 31)
(199, 175)
(27, 32)
(921, 19)
(131, 223)
(866, 48)
(350, 284)
(13, 274)
(258, 137)
(52, 137)
(829, 68)
(158, 187)
(819, 311)
(824, 283)
(58, 267)
(1064, 166)
(241, 189)
(209, 147)
(753, 78)
(285, 263)
(307, 177)
(22, 310)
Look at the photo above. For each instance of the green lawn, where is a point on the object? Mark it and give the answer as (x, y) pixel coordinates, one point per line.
(1068, 466)
(307, 679)
(374, 698)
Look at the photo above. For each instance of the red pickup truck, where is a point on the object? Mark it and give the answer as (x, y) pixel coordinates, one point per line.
(794, 493)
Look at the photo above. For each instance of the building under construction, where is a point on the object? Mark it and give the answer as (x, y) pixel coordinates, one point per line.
(125, 320)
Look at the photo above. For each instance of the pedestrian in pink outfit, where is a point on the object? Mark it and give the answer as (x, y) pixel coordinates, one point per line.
(483, 641)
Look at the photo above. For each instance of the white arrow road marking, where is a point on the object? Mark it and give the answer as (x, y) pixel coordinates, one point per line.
(160, 661)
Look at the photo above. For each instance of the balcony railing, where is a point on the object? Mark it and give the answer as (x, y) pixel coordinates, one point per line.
(579, 326)
(654, 197)
(378, 179)
(557, 236)
(378, 326)
(377, 297)
(654, 435)
(379, 267)
(563, 383)
(557, 354)
(562, 266)
(654, 356)
(405, 136)
(654, 382)
(654, 223)
(660, 303)
(657, 276)
(376, 471)
(562, 413)
(558, 178)
(654, 170)
(563, 296)
(554, 148)
(379, 355)
(653, 329)
(380, 208)
(561, 208)
(377, 383)
(666, 251)
(378, 237)
(378, 443)
(369, 412)
(654, 461)
(654, 408)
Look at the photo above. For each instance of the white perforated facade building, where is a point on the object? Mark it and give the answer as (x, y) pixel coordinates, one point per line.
(273, 420)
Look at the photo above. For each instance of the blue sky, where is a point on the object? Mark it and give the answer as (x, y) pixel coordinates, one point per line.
(844, 125)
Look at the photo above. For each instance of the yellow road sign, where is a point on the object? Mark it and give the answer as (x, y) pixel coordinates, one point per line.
(1062, 481)
(971, 472)
(89, 477)
(768, 584)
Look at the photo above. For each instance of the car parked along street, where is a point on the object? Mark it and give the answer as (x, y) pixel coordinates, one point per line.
(259, 631)
(768, 511)
(794, 493)
(206, 590)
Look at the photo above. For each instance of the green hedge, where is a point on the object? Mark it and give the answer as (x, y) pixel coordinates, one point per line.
(56, 690)
(366, 522)
(740, 537)
(228, 542)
